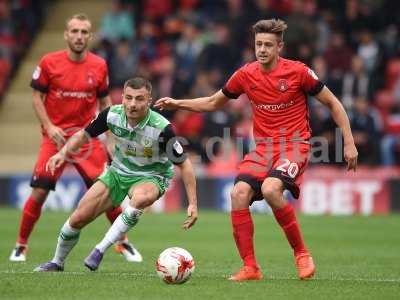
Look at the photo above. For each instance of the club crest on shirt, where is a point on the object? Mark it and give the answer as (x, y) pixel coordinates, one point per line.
(282, 85)
(91, 80)
(147, 142)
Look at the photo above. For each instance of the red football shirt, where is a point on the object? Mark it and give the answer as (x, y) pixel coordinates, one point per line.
(71, 88)
(278, 98)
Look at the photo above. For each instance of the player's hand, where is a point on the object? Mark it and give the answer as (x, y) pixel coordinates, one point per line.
(166, 103)
(350, 156)
(54, 162)
(56, 134)
(191, 218)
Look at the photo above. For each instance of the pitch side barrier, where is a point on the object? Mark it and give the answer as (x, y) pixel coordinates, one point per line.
(325, 190)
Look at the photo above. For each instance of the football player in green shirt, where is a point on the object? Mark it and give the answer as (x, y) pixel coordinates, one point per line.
(146, 149)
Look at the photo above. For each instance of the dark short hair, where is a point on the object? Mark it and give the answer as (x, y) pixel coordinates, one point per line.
(275, 26)
(78, 16)
(137, 83)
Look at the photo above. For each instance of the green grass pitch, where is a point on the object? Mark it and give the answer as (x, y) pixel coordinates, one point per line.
(356, 258)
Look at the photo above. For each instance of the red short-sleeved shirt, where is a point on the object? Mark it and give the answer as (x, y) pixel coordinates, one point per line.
(278, 98)
(72, 88)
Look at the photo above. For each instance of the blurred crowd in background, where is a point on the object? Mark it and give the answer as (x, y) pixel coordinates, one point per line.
(189, 48)
(19, 22)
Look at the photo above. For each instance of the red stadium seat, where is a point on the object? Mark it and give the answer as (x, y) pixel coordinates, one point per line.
(384, 100)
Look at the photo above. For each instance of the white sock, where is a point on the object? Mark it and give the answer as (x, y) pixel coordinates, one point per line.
(67, 239)
(125, 221)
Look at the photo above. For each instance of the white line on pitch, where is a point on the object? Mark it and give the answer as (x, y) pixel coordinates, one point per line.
(130, 274)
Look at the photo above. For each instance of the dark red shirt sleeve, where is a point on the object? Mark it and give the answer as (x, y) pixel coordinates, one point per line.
(40, 77)
(234, 86)
(310, 82)
(102, 90)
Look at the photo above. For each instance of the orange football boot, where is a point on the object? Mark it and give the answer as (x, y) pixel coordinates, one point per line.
(247, 273)
(305, 266)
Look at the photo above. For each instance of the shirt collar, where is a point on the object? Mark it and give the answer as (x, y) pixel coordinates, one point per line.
(140, 125)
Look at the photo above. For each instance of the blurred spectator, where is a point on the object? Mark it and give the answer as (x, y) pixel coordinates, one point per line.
(390, 146)
(323, 132)
(368, 50)
(338, 57)
(104, 49)
(148, 42)
(356, 83)
(219, 56)
(189, 47)
(353, 20)
(19, 22)
(366, 126)
(8, 34)
(302, 30)
(390, 40)
(155, 9)
(118, 23)
(390, 149)
(321, 69)
(323, 31)
(122, 66)
(187, 50)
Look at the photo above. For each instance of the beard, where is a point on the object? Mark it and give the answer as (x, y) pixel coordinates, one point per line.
(77, 49)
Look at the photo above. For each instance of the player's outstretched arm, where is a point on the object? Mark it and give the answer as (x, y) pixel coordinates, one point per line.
(71, 147)
(203, 104)
(339, 115)
(189, 181)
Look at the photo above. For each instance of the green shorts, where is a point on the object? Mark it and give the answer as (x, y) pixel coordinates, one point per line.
(120, 185)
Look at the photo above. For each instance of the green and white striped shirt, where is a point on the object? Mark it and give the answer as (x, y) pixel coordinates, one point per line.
(148, 149)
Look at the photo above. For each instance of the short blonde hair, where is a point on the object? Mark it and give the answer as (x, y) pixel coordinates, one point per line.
(78, 16)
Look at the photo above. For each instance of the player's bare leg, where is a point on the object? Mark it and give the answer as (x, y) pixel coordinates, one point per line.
(30, 215)
(142, 195)
(243, 232)
(272, 190)
(89, 169)
(95, 202)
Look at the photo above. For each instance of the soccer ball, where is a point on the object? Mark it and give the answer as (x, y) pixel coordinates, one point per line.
(175, 265)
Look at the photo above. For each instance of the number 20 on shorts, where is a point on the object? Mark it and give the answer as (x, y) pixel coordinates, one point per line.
(290, 168)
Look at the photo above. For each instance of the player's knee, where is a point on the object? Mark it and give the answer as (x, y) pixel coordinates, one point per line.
(272, 191)
(39, 194)
(142, 199)
(240, 196)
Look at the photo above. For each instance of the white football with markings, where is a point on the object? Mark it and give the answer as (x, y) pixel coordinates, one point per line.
(175, 265)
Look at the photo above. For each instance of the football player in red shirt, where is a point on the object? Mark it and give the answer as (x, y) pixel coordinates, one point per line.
(68, 88)
(277, 89)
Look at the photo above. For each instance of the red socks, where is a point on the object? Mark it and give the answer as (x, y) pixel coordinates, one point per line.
(286, 217)
(243, 231)
(30, 215)
(113, 213)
